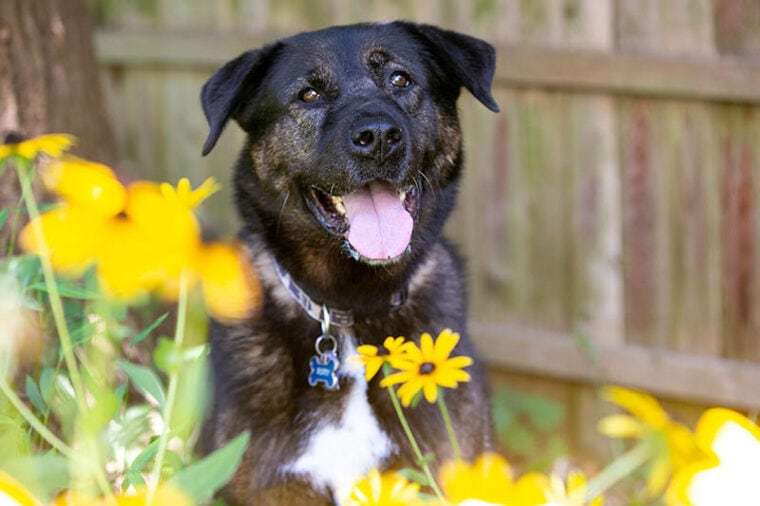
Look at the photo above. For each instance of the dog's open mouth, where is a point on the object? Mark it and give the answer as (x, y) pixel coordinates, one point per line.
(376, 219)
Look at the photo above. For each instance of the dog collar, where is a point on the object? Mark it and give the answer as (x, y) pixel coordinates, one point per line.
(337, 317)
(319, 312)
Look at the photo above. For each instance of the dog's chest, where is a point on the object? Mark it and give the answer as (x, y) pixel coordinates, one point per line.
(336, 455)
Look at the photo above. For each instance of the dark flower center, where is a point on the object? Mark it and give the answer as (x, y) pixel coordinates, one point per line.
(427, 367)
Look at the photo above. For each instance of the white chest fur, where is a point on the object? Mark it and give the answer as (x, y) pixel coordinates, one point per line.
(339, 454)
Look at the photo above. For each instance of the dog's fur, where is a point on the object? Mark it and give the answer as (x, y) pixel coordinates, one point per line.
(309, 444)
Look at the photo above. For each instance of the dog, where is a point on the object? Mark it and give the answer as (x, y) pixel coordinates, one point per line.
(349, 171)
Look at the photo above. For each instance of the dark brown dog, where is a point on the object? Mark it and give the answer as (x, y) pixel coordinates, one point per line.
(349, 172)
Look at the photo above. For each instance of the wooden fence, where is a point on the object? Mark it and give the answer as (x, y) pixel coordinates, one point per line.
(610, 212)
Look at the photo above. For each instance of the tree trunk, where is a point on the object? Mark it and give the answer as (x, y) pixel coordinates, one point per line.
(49, 81)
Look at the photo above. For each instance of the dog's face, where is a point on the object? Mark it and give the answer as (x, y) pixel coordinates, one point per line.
(353, 134)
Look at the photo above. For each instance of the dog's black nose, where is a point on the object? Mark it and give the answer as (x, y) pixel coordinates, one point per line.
(376, 137)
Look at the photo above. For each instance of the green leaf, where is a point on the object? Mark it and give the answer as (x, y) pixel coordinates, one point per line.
(34, 395)
(169, 359)
(26, 268)
(428, 458)
(146, 381)
(133, 475)
(68, 290)
(145, 333)
(132, 478)
(203, 478)
(4, 216)
(415, 476)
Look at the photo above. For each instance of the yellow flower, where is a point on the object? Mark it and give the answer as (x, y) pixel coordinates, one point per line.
(142, 238)
(14, 493)
(166, 495)
(185, 196)
(231, 289)
(572, 493)
(51, 144)
(388, 489)
(72, 235)
(427, 367)
(673, 444)
(729, 472)
(87, 184)
(373, 359)
(490, 480)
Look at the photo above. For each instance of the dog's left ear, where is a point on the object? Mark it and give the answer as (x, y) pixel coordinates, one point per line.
(471, 61)
(237, 82)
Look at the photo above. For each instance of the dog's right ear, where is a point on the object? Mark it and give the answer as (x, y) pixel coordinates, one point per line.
(236, 82)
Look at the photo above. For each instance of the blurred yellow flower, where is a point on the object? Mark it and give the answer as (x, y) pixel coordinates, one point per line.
(428, 367)
(90, 185)
(730, 471)
(13, 493)
(166, 495)
(672, 443)
(51, 144)
(570, 493)
(185, 196)
(72, 235)
(490, 480)
(387, 489)
(231, 289)
(142, 239)
(373, 358)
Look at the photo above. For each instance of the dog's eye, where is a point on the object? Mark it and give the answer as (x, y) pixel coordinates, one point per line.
(309, 95)
(400, 79)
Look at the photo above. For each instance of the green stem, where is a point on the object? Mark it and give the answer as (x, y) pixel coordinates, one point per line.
(449, 425)
(34, 422)
(618, 469)
(418, 453)
(24, 171)
(179, 337)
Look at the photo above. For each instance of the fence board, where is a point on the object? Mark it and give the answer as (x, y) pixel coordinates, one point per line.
(556, 355)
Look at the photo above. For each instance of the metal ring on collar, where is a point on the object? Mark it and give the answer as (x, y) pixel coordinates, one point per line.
(330, 340)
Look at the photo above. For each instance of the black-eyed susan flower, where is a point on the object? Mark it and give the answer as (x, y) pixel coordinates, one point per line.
(428, 367)
(387, 489)
(53, 145)
(728, 474)
(673, 445)
(14, 493)
(491, 480)
(373, 358)
(141, 239)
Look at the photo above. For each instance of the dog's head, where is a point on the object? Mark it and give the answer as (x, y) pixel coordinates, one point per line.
(353, 132)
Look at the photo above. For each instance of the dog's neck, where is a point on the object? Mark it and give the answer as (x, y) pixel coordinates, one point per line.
(321, 312)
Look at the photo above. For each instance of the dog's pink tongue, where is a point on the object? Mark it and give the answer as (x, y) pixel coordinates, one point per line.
(380, 227)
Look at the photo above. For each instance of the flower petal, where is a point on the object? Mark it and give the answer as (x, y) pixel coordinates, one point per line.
(445, 344)
(624, 426)
(641, 405)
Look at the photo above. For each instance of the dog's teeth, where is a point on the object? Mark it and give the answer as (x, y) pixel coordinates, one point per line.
(402, 196)
(338, 203)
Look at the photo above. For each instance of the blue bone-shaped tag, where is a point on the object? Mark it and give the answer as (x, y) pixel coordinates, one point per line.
(323, 370)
